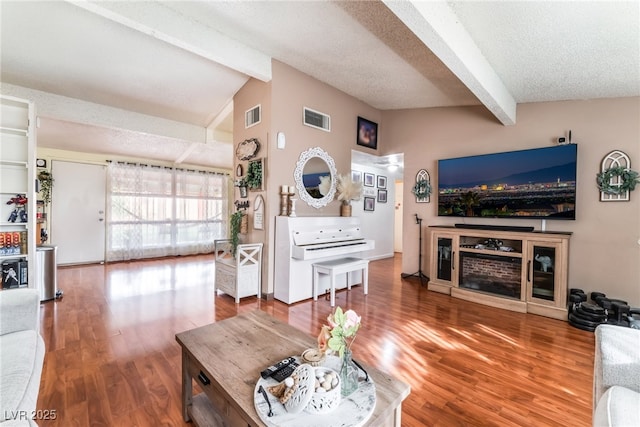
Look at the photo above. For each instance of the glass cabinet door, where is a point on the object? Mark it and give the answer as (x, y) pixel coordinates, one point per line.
(541, 273)
(445, 258)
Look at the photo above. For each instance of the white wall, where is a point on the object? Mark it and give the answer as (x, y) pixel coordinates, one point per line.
(377, 224)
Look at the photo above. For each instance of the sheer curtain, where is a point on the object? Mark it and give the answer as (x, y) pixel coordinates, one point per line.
(155, 211)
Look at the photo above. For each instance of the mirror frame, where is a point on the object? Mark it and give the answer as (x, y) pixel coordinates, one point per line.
(305, 156)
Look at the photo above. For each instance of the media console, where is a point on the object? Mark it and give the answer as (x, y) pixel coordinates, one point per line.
(514, 269)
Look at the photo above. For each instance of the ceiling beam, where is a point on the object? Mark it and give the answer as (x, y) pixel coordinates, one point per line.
(162, 23)
(78, 111)
(438, 27)
(224, 113)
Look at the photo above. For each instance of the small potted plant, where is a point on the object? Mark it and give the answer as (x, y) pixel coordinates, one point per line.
(242, 185)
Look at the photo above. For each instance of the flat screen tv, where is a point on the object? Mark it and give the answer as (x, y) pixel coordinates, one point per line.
(528, 184)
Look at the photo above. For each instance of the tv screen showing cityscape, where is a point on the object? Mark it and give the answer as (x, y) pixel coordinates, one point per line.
(536, 183)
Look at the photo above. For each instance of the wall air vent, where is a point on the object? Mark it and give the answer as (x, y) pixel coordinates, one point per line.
(252, 116)
(316, 119)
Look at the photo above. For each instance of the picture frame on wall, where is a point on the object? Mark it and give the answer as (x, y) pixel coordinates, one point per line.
(382, 196)
(369, 204)
(367, 135)
(356, 176)
(382, 181)
(368, 179)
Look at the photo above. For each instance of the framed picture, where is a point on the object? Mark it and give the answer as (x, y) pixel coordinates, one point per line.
(368, 179)
(255, 175)
(356, 176)
(367, 133)
(382, 196)
(382, 181)
(369, 204)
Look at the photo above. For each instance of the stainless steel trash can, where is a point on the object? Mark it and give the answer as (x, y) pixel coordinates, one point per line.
(46, 274)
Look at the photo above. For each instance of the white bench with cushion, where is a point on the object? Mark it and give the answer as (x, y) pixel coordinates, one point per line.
(336, 267)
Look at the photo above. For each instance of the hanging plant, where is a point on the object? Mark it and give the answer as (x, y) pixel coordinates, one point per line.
(46, 184)
(627, 179)
(235, 221)
(422, 189)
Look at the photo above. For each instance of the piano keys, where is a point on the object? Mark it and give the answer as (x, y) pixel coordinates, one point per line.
(302, 241)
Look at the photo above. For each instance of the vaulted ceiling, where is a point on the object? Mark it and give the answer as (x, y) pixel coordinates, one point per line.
(156, 79)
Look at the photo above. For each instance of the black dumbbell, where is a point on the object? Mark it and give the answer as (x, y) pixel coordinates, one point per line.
(621, 312)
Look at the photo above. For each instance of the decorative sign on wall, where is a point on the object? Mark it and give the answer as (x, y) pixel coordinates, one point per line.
(258, 213)
(369, 192)
(422, 188)
(247, 149)
(616, 179)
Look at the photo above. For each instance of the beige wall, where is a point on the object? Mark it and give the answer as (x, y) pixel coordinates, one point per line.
(605, 245)
(282, 102)
(293, 90)
(255, 92)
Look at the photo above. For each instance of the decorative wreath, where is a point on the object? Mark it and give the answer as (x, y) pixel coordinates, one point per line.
(628, 180)
(422, 189)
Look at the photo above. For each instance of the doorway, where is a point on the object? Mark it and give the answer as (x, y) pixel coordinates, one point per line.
(397, 222)
(382, 222)
(78, 212)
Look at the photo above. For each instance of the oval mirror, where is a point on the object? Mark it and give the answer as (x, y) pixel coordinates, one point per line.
(313, 164)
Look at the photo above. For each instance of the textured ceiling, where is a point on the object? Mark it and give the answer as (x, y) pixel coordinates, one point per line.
(156, 79)
(559, 50)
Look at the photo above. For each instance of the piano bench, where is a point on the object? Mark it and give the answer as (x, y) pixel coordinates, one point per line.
(340, 266)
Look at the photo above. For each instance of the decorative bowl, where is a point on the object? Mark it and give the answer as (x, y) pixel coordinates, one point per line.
(326, 396)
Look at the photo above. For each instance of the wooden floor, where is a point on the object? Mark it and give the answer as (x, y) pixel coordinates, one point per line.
(112, 358)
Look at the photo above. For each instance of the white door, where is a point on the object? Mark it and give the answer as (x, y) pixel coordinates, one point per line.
(397, 224)
(78, 212)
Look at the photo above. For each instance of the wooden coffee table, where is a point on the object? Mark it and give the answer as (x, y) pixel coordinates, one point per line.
(225, 359)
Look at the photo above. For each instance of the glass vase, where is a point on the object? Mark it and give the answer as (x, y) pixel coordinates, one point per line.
(348, 375)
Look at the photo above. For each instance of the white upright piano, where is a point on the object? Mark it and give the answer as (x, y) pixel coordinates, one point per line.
(302, 241)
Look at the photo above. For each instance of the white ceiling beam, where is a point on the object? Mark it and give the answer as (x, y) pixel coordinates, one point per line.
(75, 110)
(437, 26)
(186, 153)
(214, 134)
(225, 112)
(162, 23)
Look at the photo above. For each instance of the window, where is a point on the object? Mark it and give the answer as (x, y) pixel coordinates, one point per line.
(156, 211)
